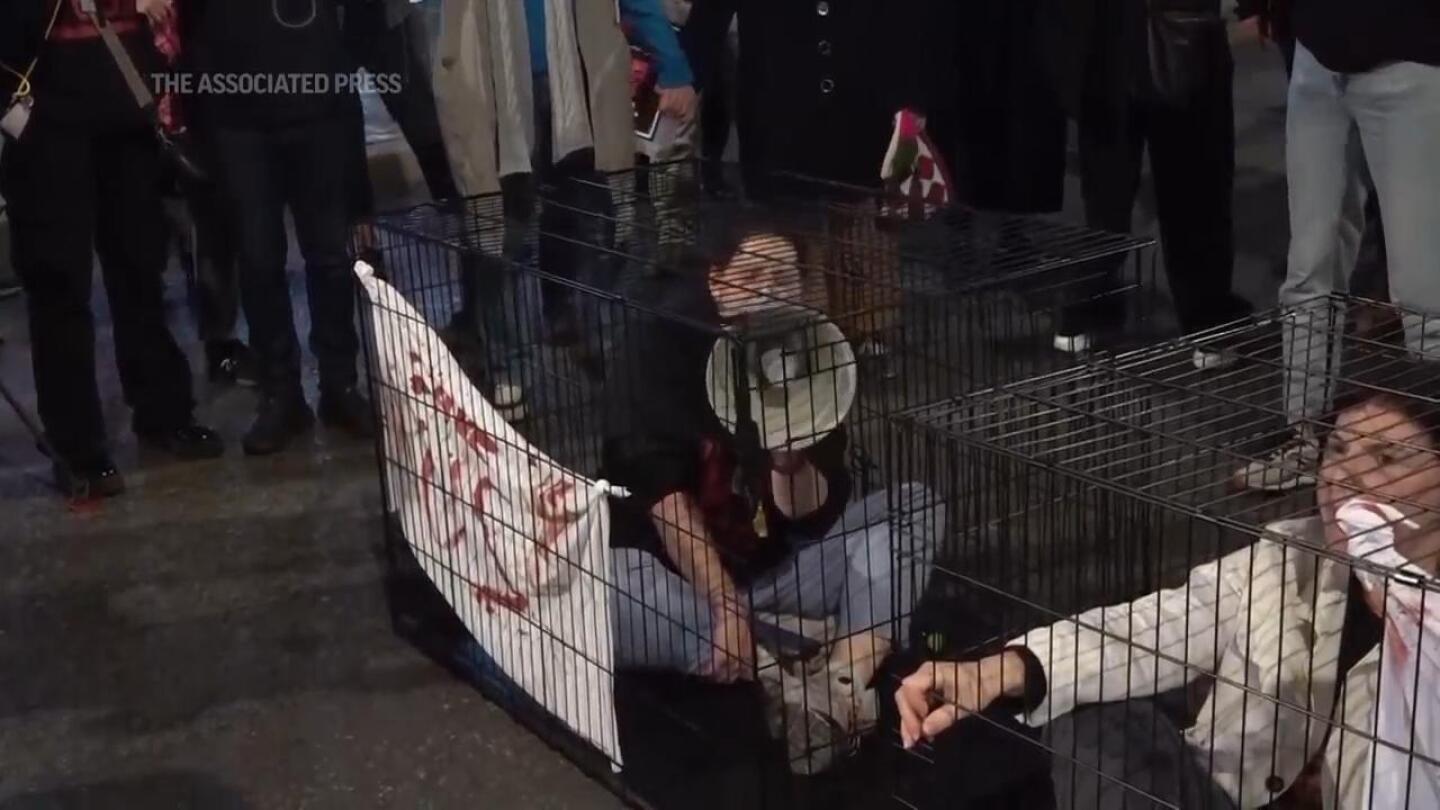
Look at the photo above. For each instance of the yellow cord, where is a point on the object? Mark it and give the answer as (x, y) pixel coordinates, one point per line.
(23, 89)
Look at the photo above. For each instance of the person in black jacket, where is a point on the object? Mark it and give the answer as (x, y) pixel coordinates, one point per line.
(1102, 66)
(285, 146)
(720, 530)
(81, 174)
(819, 82)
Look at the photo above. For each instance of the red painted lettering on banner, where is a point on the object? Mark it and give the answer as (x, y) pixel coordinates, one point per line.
(491, 598)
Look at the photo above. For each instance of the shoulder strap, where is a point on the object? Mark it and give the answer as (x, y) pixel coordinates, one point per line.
(138, 88)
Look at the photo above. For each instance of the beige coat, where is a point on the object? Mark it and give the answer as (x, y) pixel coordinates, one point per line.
(1267, 621)
(483, 89)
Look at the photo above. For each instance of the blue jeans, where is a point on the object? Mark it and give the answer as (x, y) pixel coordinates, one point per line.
(1385, 120)
(868, 574)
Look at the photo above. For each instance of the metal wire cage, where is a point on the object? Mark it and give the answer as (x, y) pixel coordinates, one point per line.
(699, 348)
(1260, 541)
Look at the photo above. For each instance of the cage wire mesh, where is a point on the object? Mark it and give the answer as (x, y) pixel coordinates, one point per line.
(1243, 525)
(748, 355)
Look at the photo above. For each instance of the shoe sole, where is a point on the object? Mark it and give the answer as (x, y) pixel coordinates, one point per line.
(1298, 481)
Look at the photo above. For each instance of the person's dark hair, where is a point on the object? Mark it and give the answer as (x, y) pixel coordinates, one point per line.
(1408, 385)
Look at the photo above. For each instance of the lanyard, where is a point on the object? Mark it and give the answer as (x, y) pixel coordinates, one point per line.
(23, 89)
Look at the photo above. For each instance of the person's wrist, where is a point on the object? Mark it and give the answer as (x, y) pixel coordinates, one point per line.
(1004, 675)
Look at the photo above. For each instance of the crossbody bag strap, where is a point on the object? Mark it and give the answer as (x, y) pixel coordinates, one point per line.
(133, 79)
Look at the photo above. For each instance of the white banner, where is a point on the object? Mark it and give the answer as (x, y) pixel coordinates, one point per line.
(517, 544)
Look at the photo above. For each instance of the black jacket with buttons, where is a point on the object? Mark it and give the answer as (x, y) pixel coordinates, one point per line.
(820, 80)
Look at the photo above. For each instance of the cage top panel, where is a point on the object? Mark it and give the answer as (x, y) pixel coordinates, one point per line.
(836, 230)
(1362, 394)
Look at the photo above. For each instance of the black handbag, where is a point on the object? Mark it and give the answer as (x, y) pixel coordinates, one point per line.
(1188, 46)
(176, 150)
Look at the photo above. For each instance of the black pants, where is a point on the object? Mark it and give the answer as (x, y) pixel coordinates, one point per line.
(71, 190)
(576, 215)
(1192, 161)
(402, 51)
(217, 264)
(263, 171)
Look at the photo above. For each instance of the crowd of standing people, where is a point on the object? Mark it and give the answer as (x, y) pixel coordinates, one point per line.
(539, 91)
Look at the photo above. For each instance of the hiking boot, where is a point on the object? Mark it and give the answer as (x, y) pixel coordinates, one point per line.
(279, 421)
(1293, 464)
(349, 411)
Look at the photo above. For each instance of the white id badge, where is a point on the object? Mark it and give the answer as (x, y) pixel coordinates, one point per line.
(14, 121)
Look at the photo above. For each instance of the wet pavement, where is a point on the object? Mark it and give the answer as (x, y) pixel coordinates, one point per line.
(218, 638)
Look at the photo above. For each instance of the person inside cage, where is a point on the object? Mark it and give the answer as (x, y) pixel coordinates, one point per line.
(741, 554)
(1321, 642)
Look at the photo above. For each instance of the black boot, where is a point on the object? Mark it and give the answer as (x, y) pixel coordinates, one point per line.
(281, 420)
(97, 479)
(348, 410)
(191, 442)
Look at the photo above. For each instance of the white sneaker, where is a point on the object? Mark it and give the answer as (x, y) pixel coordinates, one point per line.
(1073, 344)
(821, 714)
(1294, 464)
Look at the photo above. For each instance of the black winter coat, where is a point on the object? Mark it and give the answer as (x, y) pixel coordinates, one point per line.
(821, 80)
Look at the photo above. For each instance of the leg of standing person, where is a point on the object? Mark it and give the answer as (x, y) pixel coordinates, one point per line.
(49, 186)
(1324, 238)
(1192, 158)
(315, 184)
(130, 239)
(1112, 144)
(217, 283)
(1397, 111)
(254, 188)
(404, 52)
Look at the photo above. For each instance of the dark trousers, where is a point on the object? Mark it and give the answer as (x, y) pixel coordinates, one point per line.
(71, 190)
(262, 173)
(576, 215)
(1192, 161)
(1120, 755)
(206, 230)
(402, 51)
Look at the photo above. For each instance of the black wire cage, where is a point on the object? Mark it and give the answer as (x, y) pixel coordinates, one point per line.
(745, 355)
(1172, 587)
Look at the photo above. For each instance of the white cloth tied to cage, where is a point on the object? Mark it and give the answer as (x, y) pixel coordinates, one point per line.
(1410, 658)
(517, 544)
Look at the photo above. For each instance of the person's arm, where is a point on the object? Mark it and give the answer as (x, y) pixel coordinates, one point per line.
(688, 544)
(647, 19)
(1156, 643)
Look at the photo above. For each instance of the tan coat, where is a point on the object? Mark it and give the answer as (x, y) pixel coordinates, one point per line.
(483, 89)
(1267, 621)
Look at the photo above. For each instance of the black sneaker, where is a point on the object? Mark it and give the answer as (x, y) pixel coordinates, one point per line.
(97, 480)
(230, 362)
(348, 410)
(190, 443)
(280, 421)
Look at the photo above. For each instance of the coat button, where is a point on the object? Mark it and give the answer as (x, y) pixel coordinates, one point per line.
(824, 47)
(822, 8)
(1274, 784)
(827, 86)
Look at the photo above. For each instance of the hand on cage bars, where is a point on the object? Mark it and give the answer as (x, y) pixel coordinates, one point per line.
(733, 647)
(941, 693)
